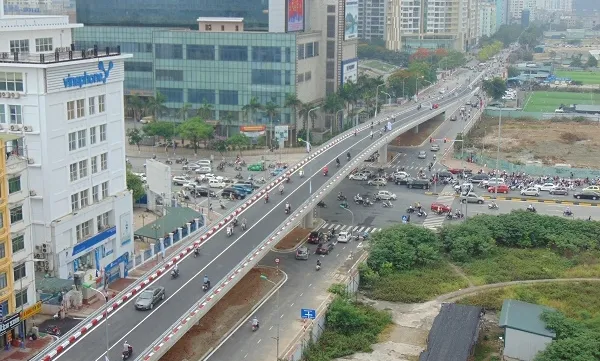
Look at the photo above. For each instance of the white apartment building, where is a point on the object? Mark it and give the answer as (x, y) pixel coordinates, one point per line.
(565, 6)
(516, 7)
(371, 19)
(67, 104)
(487, 19)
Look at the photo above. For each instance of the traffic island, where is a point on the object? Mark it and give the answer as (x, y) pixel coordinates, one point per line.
(226, 315)
(292, 240)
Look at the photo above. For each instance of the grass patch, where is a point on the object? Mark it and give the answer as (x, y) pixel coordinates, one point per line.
(547, 102)
(513, 264)
(379, 65)
(417, 285)
(586, 77)
(579, 300)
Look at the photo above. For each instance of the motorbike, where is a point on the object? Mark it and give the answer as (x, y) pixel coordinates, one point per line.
(280, 191)
(321, 204)
(287, 211)
(358, 200)
(348, 157)
(410, 210)
(127, 354)
(492, 206)
(337, 165)
(238, 168)
(325, 173)
(174, 274)
(239, 176)
(205, 286)
(341, 197)
(168, 161)
(532, 210)
(421, 214)
(387, 204)
(235, 222)
(243, 226)
(367, 202)
(568, 214)
(318, 267)
(53, 330)
(222, 205)
(229, 232)
(255, 327)
(266, 200)
(301, 173)
(261, 180)
(196, 252)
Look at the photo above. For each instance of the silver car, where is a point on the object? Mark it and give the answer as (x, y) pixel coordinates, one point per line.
(471, 198)
(422, 154)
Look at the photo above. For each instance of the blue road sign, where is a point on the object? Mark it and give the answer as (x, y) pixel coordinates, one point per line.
(404, 219)
(308, 313)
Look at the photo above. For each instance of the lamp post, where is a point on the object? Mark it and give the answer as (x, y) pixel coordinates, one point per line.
(377, 98)
(389, 97)
(265, 278)
(156, 227)
(105, 296)
(352, 213)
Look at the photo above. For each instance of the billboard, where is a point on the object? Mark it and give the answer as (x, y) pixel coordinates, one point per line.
(281, 133)
(351, 20)
(295, 15)
(349, 71)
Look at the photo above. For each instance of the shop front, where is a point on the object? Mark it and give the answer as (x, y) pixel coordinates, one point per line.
(91, 255)
(27, 314)
(9, 330)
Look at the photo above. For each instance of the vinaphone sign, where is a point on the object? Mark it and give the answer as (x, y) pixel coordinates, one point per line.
(78, 81)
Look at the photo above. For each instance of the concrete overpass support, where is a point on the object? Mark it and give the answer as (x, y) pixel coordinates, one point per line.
(307, 221)
(383, 155)
(416, 129)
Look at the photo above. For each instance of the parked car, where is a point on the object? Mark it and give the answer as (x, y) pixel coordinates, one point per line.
(422, 154)
(358, 176)
(302, 253)
(190, 186)
(440, 207)
(401, 175)
(385, 196)
(343, 237)
(149, 297)
(226, 193)
(179, 180)
(315, 237)
(591, 189)
(325, 248)
(434, 147)
(215, 183)
(203, 170)
(377, 182)
(546, 187)
(472, 198)
(478, 178)
(563, 191)
(493, 181)
(418, 183)
(531, 191)
(587, 195)
(204, 192)
(241, 189)
(502, 188)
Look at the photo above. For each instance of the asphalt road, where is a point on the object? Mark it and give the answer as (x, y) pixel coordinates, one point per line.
(219, 255)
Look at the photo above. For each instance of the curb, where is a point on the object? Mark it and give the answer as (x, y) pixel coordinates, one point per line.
(291, 250)
(246, 317)
(523, 199)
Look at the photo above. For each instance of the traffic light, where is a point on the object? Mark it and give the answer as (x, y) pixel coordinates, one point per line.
(430, 140)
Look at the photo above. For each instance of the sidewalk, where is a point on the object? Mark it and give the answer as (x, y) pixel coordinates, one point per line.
(30, 350)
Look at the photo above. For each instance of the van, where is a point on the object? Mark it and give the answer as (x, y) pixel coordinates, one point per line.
(204, 162)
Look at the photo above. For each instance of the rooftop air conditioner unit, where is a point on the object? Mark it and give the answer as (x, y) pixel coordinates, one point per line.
(30, 160)
(32, 193)
(28, 128)
(15, 127)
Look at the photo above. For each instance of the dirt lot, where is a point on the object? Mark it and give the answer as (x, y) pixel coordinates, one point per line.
(410, 138)
(548, 142)
(295, 237)
(223, 316)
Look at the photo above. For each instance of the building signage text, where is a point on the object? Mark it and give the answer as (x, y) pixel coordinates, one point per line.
(9, 323)
(78, 81)
(13, 95)
(32, 311)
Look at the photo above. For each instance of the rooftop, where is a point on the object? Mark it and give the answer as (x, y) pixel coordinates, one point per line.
(61, 55)
(453, 334)
(587, 108)
(35, 22)
(221, 20)
(524, 317)
(176, 217)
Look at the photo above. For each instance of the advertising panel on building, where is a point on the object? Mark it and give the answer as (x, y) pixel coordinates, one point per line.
(351, 20)
(84, 74)
(295, 15)
(349, 71)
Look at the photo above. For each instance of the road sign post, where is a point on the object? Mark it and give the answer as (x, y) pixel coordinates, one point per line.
(308, 313)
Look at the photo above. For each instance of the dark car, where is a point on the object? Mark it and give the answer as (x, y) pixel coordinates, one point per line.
(315, 237)
(445, 174)
(302, 253)
(418, 183)
(204, 192)
(148, 298)
(226, 193)
(325, 248)
(587, 195)
(478, 178)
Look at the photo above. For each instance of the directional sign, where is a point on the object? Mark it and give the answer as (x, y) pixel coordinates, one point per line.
(277, 260)
(308, 313)
(404, 219)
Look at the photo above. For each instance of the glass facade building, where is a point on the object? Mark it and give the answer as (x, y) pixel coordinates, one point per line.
(170, 13)
(224, 69)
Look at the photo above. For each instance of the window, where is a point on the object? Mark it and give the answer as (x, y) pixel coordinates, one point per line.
(73, 175)
(266, 77)
(72, 141)
(3, 281)
(81, 138)
(95, 195)
(74, 202)
(20, 271)
(300, 51)
(91, 105)
(330, 49)
(16, 214)
(331, 9)
(172, 95)
(101, 103)
(300, 78)
(80, 108)
(102, 132)
(127, 47)
(84, 197)
(168, 51)
(102, 221)
(288, 54)
(228, 97)
(104, 161)
(94, 162)
(208, 27)
(309, 52)
(93, 135)
(331, 26)
(169, 75)
(330, 70)
(2, 114)
(11, 81)
(307, 76)
(222, 27)
(71, 110)
(200, 96)
(19, 46)
(21, 298)
(43, 45)
(233, 53)
(83, 230)
(143, 66)
(316, 48)
(266, 54)
(200, 52)
(14, 185)
(18, 243)
(104, 190)
(237, 28)
(83, 170)
(288, 76)
(16, 114)
(2, 250)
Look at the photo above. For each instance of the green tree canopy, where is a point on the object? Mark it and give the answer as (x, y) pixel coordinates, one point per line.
(195, 130)
(135, 136)
(495, 88)
(592, 62)
(159, 129)
(238, 141)
(135, 185)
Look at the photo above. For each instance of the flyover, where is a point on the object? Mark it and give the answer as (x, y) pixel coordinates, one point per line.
(224, 258)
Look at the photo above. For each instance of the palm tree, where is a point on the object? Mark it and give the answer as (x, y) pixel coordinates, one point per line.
(183, 112)
(333, 103)
(271, 109)
(136, 105)
(292, 102)
(252, 108)
(206, 110)
(156, 105)
(228, 119)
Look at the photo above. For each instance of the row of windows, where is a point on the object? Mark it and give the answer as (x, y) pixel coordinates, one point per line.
(10, 81)
(79, 170)
(78, 139)
(76, 108)
(270, 54)
(304, 77)
(145, 66)
(22, 45)
(81, 199)
(21, 296)
(11, 114)
(200, 96)
(308, 50)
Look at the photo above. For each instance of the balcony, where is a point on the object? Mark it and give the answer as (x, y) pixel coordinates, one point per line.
(15, 164)
(60, 55)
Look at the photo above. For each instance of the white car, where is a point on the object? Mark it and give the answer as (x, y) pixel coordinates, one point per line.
(493, 182)
(343, 237)
(385, 196)
(531, 191)
(191, 186)
(546, 187)
(179, 181)
(358, 176)
(203, 170)
(401, 175)
(377, 182)
(215, 183)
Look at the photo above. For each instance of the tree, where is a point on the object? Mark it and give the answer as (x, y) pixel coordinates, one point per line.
(228, 119)
(333, 103)
(136, 105)
(303, 113)
(156, 105)
(292, 102)
(252, 108)
(552, 54)
(576, 61)
(592, 62)
(135, 185)
(238, 141)
(195, 130)
(159, 129)
(271, 109)
(135, 136)
(421, 54)
(184, 111)
(495, 88)
(206, 110)
(513, 72)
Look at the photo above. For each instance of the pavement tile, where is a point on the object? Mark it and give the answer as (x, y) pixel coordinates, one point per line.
(31, 349)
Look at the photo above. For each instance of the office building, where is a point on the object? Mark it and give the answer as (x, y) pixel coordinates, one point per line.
(525, 18)
(516, 7)
(371, 19)
(487, 19)
(502, 13)
(562, 6)
(67, 104)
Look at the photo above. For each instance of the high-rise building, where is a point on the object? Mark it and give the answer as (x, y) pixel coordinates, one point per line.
(525, 18)
(67, 104)
(7, 288)
(565, 6)
(516, 7)
(371, 19)
(502, 14)
(487, 19)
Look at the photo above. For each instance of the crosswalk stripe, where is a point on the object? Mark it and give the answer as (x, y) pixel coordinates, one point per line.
(361, 229)
(330, 226)
(337, 227)
(368, 230)
(354, 228)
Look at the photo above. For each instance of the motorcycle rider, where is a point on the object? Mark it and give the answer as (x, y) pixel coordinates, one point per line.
(344, 204)
(235, 221)
(325, 170)
(244, 223)
(301, 172)
(229, 230)
(493, 205)
(255, 322)
(267, 197)
(175, 269)
(319, 263)
(568, 211)
(531, 207)
(127, 348)
(337, 161)
(371, 134)
(281, 189)
(206, 281)
(355, 132)
(341, 196)
(348, 155)
(288, 207)
(197, 249)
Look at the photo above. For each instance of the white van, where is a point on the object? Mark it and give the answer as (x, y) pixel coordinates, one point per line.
(204, 163)
(215, 183)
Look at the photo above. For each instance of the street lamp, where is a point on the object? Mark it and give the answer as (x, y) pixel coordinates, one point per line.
(308, 145)
(105, 296)
(352, 213)
(389, 97)
(377, 98)
(265, 278)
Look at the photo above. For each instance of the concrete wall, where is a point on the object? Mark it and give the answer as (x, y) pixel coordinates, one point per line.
(523, 345)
